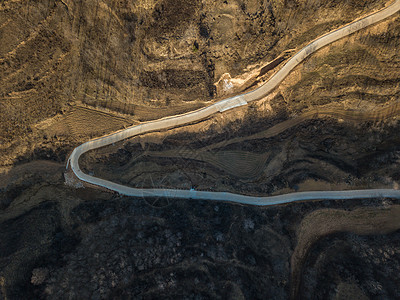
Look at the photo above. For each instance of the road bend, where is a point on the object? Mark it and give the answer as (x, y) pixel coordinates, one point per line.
(222, 106)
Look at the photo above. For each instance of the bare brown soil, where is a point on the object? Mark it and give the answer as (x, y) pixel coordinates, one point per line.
(82, 121)
(75, 70)
(324, 222)
(134, 58)
(257, 142)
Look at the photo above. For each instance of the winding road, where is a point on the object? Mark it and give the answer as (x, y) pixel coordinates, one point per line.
(220, 107)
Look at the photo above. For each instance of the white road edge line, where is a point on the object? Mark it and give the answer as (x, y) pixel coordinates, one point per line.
(224, 105)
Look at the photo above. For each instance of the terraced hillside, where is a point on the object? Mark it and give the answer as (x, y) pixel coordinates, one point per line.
(137, 58)
(75, 70)
(330, 124)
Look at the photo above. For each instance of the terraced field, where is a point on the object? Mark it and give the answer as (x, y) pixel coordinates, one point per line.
(101, 65)
(53, 54)
(221, 106)
(285, 155)
(246, 164)
(93, 122)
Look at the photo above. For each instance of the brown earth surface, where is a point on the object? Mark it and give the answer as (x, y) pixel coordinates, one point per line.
(138, 58)
(74, 70)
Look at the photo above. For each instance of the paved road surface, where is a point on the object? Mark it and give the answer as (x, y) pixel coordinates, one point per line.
(222, 106)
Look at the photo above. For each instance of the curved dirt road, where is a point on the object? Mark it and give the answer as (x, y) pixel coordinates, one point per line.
(222, 106)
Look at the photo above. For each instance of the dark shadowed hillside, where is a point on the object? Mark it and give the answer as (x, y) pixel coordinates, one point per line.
(75, 70)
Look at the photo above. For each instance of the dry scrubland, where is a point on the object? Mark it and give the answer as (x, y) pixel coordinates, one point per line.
(146, 59)
(74, 70)
(331, 124)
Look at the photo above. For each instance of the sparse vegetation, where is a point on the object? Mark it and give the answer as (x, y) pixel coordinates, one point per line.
(75, 70)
